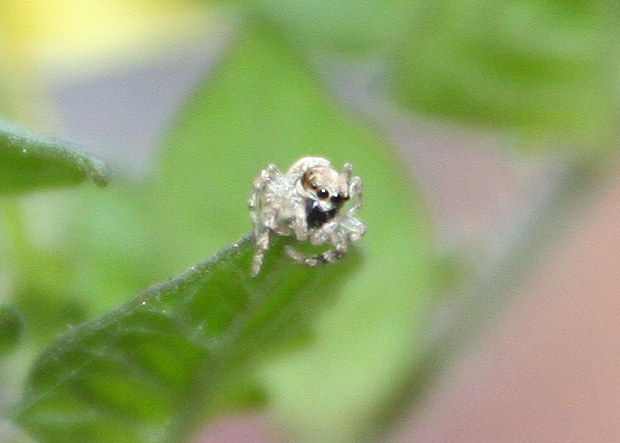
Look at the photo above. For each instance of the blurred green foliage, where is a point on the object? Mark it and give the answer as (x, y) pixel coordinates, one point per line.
(11, 325)
(542, 68)
(347, 26)
(545, 68)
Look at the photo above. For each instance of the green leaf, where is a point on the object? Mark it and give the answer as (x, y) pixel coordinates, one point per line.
(545, 68)
(267, 105)
(29, 161)
(11, 324)
(148, 371)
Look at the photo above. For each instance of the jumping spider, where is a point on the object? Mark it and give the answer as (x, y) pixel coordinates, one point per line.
(305, 203)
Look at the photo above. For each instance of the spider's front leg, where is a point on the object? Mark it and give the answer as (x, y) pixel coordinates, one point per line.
(329, 256)
(299, 225)
(329, 233)
(355, 191)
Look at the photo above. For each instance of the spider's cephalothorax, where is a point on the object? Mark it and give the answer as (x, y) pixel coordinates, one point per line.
(306, 203)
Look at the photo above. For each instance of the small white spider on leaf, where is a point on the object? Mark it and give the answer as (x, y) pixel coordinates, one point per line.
(306, 203)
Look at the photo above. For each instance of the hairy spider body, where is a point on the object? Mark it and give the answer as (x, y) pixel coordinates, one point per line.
(306, 203)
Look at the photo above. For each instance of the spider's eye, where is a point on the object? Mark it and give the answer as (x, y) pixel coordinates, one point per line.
(322, 193)
(337, 198)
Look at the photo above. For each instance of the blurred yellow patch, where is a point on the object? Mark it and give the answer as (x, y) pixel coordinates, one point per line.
(74, 35)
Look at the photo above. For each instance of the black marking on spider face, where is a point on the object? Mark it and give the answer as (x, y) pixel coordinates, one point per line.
(316, 217)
